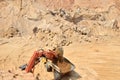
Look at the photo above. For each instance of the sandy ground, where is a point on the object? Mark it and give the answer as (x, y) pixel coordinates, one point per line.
(93, 61)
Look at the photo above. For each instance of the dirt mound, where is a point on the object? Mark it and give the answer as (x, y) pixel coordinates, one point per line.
(11, 32)
(65, 28)
(15, 75)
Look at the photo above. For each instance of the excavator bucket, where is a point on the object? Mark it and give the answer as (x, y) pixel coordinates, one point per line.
(64, 67)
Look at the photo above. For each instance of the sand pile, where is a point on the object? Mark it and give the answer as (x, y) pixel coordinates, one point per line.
(64, 28)
(17, 75)
(11, 32)
(60, 25)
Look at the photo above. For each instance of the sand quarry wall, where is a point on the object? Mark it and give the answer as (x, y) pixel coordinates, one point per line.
(76, 19)
(70, 3)
(11, 10)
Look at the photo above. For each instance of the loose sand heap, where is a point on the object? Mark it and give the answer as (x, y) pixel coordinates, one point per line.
(88, 30)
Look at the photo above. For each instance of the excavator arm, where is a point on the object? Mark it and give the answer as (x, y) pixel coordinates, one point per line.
(37, 54)
(32, 61)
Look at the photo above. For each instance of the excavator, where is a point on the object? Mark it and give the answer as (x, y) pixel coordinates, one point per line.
(53, 61)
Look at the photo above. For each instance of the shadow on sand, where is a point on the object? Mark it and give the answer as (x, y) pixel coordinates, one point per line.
(71, 76)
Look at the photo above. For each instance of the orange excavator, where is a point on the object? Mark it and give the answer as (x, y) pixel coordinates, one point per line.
(37, 54)
(53, 61)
